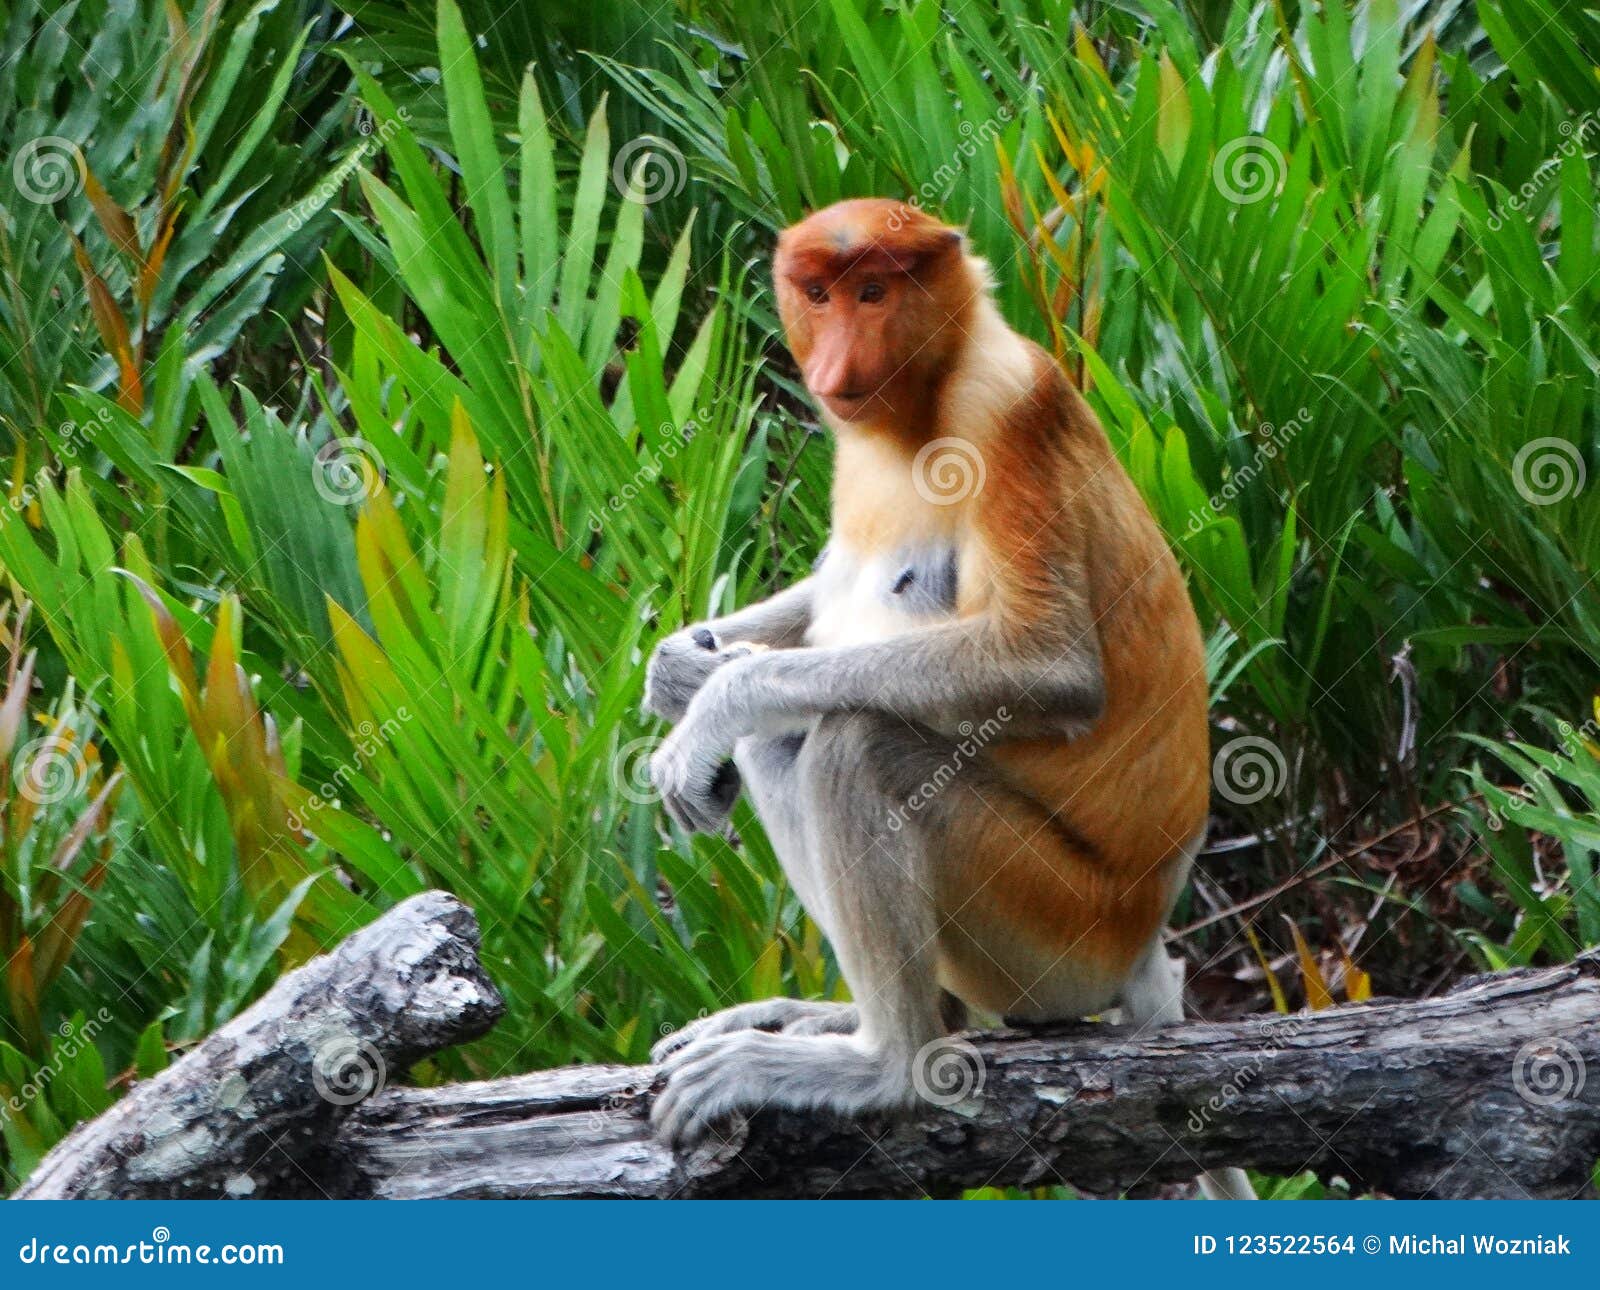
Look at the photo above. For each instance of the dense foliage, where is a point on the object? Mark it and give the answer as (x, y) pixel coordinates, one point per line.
(379, 382)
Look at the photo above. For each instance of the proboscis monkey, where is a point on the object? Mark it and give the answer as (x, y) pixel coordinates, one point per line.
(977, 733)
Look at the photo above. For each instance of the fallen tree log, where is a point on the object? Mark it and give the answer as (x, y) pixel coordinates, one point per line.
(1484, 1091)
(253, 1109)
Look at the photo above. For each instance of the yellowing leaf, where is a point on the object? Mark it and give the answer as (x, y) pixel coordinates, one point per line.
(1357, 984)
(150, 269)
(1174, 117)
(113, 329)
(1318, 996)
(1280, 1002)
(117, 223)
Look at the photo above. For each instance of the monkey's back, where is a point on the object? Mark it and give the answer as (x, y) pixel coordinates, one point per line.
(1134, 787)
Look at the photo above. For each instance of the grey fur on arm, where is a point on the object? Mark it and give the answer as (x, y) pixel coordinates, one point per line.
(780, 621)
(937, 676)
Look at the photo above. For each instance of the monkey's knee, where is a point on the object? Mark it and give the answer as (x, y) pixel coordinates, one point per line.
(839, 739)
(767, 762)
(844, 758)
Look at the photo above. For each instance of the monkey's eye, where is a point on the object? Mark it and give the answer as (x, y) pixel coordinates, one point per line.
(815, 294)
(872, 293)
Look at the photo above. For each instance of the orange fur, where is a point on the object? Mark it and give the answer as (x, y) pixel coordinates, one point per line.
(1075, 846)
(1134, 787)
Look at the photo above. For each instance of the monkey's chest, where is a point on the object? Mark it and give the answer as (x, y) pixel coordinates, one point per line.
(863, 598)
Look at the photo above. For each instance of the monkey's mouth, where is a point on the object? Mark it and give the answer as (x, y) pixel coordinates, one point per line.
(847, 407)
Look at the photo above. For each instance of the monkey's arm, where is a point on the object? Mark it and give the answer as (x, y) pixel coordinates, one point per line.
(939, 677)
(684, 661)
(780, 621)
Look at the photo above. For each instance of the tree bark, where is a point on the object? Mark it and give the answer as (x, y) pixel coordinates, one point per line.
(253, 1109)
(1481, 1092)
(1490, 1090)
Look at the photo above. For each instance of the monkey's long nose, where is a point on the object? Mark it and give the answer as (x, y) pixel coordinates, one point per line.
(829, 374)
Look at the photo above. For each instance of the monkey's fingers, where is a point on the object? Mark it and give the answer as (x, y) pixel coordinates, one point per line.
(767, 1014)
(680, 813)
(692, 813)
(725, 787)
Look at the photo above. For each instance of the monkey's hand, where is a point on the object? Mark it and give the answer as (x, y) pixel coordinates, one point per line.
(680, 666)
(690, 769)
(698, 786)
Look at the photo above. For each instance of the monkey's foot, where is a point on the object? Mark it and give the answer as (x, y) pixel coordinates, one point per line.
(791, 1016)
(714, 1079)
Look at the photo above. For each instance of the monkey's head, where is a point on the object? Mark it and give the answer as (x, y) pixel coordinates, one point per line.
(873, 295)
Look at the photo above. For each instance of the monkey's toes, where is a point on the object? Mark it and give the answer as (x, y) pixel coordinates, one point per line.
(709, 1081)
(678, 1039)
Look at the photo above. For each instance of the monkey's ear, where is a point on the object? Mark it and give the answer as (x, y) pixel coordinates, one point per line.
(953, 241)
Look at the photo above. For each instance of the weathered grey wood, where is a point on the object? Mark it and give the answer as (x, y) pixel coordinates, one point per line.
(1491, 1090)
(253, 1110)
(1486, 1091)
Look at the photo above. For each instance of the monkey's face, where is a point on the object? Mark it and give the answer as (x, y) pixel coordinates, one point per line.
(868, 299)
(847, 336)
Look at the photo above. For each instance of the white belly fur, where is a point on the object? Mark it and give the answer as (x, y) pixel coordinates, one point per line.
(853, 605)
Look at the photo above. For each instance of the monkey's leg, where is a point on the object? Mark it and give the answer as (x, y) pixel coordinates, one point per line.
(767, 764)
(867, 884)
(1153, 996)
